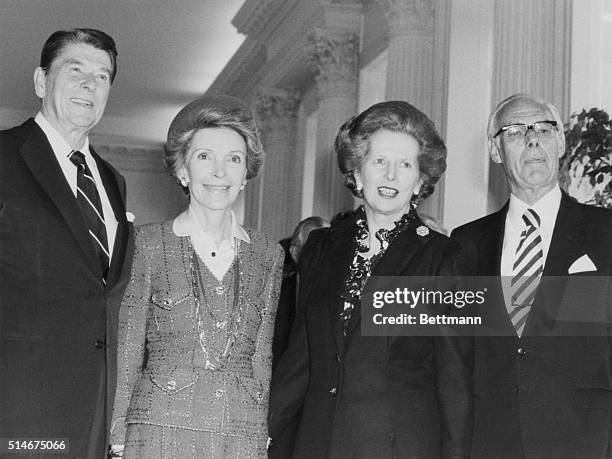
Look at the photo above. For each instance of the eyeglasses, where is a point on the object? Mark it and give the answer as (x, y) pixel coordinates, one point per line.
(543, 129)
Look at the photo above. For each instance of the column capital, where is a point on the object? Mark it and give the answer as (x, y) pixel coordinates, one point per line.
(276, 109)
(409, 17)
(334, 57)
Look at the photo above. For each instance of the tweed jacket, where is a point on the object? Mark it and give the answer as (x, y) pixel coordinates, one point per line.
(167, 334)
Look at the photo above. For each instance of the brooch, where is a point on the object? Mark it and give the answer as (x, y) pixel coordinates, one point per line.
(422, 230)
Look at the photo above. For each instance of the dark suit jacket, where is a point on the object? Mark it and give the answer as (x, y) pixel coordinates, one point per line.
(544, 396)
(58, 321)
(365, 396)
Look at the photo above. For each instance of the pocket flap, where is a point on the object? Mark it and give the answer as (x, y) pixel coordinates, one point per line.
(174, 382)
(167, 299)
(253, 387)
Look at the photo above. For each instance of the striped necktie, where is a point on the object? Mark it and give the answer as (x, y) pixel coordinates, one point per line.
(526, 271)
(91, 208)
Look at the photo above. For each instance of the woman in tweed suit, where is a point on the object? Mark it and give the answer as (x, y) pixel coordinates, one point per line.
(197, 319)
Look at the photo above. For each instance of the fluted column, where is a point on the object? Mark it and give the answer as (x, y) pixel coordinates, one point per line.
(410, 51)
(273, 200)
(531, 53)
(333, 55)
(410, 68)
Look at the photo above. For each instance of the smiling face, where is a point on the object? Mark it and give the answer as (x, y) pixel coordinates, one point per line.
(215, 168)
(390, 174)
(75, 89)
(531, 162)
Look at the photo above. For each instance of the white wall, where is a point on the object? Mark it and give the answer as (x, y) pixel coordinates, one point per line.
(469, 93)
(591, 70)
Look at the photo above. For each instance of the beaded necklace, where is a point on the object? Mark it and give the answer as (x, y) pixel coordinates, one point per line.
(219, 326)
(361, 267)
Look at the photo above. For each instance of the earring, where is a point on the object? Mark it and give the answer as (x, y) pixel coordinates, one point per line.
(358, 184)
(184, 181)
(243, 185)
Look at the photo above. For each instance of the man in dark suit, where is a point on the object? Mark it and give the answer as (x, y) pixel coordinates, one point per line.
(537, 395)
(65, 254)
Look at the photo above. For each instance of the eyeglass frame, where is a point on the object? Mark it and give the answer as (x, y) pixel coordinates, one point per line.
(553, 123)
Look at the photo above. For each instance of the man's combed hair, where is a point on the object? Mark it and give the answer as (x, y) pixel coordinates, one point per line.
(62, 38)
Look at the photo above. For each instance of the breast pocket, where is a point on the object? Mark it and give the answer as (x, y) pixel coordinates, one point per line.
(172, 310)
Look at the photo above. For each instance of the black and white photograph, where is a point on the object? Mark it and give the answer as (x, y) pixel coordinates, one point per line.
(199, 200)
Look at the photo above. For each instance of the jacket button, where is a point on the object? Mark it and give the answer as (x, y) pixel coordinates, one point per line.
(521, 351)
(516, 388)
(171, 385)
(99, 344)
(333, 391)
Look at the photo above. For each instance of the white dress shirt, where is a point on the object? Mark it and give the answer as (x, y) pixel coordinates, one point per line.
(62, 150)
(218, 259)
(547, 209)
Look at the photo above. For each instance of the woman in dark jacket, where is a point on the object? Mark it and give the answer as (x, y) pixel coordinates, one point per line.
(373, 396)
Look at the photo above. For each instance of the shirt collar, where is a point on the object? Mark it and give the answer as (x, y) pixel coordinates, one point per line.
(58, 143)
(186, 224)
(546, 207)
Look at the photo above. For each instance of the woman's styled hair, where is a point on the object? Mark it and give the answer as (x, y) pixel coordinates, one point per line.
(353, 142)
(212, 112)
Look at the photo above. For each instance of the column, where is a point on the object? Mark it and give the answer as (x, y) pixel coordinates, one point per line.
(333, 55)
(531, 53)
(279, 192)
(468, 106)
(410, 51)
(411, 75)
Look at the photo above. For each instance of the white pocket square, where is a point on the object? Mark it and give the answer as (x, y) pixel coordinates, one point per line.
(582, 265)
(130, 217)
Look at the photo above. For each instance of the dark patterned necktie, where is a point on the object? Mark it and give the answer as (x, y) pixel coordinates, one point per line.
(526, 271)
(91, 208)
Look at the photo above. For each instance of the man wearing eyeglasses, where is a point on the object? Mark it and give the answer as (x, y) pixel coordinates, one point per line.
(543, 385)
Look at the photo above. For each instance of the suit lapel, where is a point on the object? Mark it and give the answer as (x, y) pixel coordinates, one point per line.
(491, 244)
(342, 249)
(116, 196)
(490, 248)
(39, 157)
(398, 256)
(567, 239)
(566, 245)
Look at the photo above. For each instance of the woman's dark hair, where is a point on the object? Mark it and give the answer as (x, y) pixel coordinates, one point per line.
(353, 142)
(62, 38)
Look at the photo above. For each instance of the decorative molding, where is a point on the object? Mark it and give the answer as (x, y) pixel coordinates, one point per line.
(239, 71)
(334, 57)
(254, 15)
(408, 17)
(276, 110)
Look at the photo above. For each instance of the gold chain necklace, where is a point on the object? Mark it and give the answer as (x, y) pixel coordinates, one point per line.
(219, 362)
